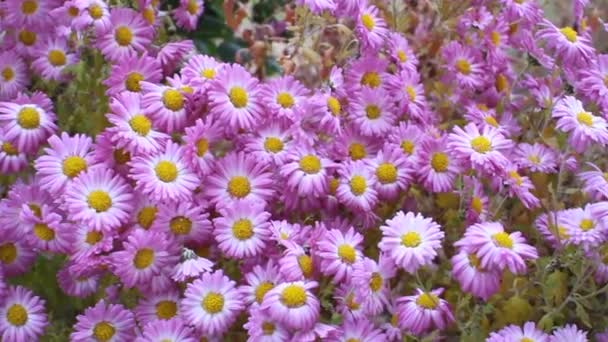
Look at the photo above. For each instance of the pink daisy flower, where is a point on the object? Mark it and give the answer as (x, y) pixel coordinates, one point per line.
(50, 233)
(552, 227)
(16, 255)
(371, 280)
(173, 53)
(133, 130)
(497, 249)
(158, 307)
(521, 187)
(170, 330)
(190, 268)
(437, 168)
(89, 241)
(464, 64)
(567, 44)
(591, 83)
(184, 221)
(130, 72)
(22, 316)
(100, 199)
(584, 228)
(239, 176)
(529, 332)
(166, 106)
(292, 304)
(93, 12)
(77, 286)
(372, 112)
(296, 263)
(392, 172)
(107, 153)
(357, 186)
(164, 176)
(242, 229)
(109, 322)
(371, 29)
(357, 330)
(127, 35)
(11, 159)
(261, 328)
(187, 13)
(569, 333)
(200, 70)
(260, 280)
(283, 98)
(478, 204)
(483, 149)
(27, 13)
(28, 121)
(53, 58)
(401, 52)
(536, 158)
(347, 303)
(339, 252)
(145, 255)
(407, 137)
(595, 182)
(474, 279)
(270, 143)
(407, 89)
(424, 311)
(211, 303)
(411, 240)
(583, 127)
(235, 99)
(198, 141)
(64, 160)
(13, 75)
(367, 71)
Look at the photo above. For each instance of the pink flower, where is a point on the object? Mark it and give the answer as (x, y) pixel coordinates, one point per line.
(424, 311)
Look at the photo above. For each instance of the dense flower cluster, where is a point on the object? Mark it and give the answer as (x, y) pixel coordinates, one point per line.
(297, 212)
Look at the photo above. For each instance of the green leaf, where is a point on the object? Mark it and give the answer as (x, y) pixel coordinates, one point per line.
(582, 314)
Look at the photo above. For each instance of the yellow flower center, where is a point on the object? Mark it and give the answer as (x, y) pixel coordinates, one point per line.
(569, 33)
(481, 144)
(293, 296)
(99, 200)
(503, 239)
(132, 81)
(166, 171)
(8, 74)
(585, 118)
(208, 73)
(261, 290)
(143, 258)
(239, 186)
(352, 339)
(411, 93)
(146, 216)
(28, 38)
(56, 58)
(516, 177)
(370, 79)
(93, 237)
(534, 159)
(463, 66)
(238, 96)
(491, 121)
(495, 38)
(35, 208)
(333, 185)
(8, 253)
(356, 151)
(476, 204)
(606, 80)
(95, 11)
(43, 232)
(394, 320)
(28, 118)
(285, 100)
(334, 105)
(149, 15)
(180, 225)
(242, 229)
(73, 165)
(350, 302)
(306, 265)
(386, 173)
(439, 161)
(121, 157)
(407, 146)
(501, 82)
(29, 7)
(526, 339)
(123, 35)
(273, 144)
(268, 328)
(368, 21)
(375, 283)
(347, 253)
(9, 149)
(166, 309)
(213, 302)
(357, 185)
(173, 100)
(103, 331)
(192, 7)
(140, 124)
(586, 224)
(16, 315)
(372, 112)
(411, 239)
(402, 56)
(202, 146)
(310, 164)
(427, 301)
